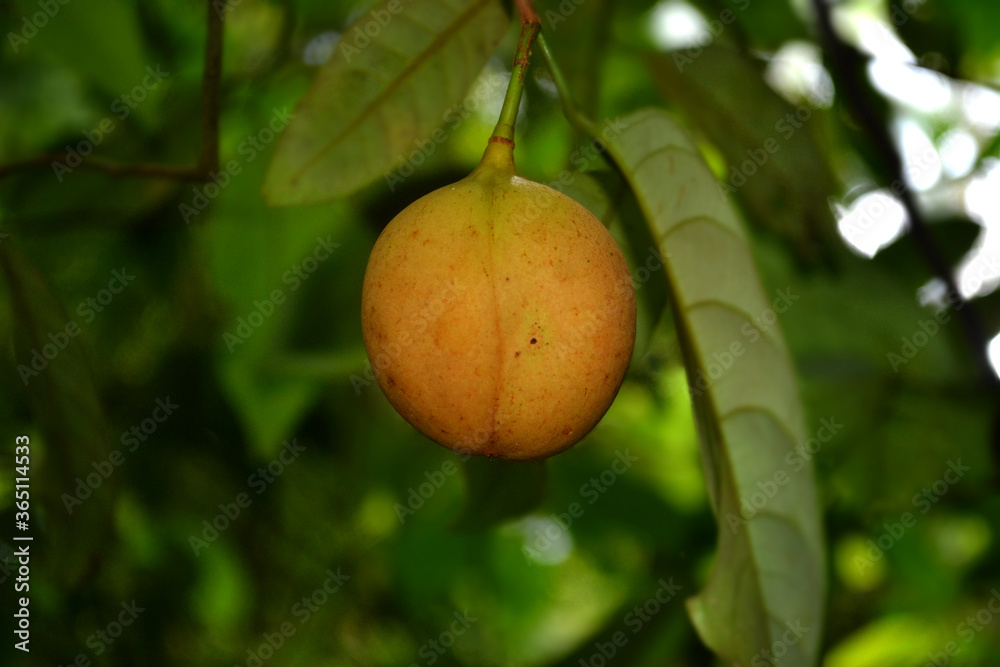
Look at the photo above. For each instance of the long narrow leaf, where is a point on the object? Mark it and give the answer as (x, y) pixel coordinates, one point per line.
(764, 598)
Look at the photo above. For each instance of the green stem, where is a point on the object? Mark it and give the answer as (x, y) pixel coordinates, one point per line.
(576, 118)
(504, 131)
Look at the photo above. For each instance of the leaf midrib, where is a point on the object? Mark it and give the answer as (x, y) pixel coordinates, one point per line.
(684, 322)
(419, 61)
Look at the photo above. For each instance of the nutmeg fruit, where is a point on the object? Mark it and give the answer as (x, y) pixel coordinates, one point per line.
(499, 314)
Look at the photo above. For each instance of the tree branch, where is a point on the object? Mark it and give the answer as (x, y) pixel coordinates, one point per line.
(208, 161)
(210, 87)
(842, 58)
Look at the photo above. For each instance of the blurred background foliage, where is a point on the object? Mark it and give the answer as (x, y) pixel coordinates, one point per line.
(824, 227)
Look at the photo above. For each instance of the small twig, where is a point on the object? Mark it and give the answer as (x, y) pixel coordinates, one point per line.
(841, 58)
(210, 91)
(110, 167)
(576, 118)
(526, 8)
(208, 161)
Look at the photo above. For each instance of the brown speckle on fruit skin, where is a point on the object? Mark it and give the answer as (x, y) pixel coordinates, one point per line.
(534, 340)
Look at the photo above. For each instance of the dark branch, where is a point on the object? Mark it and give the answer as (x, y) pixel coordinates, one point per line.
(208, 161)
(844, 61)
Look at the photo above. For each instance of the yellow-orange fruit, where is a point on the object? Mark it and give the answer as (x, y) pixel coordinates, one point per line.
(498, 314)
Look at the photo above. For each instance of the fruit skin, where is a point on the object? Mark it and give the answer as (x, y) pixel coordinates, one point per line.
(498, 314)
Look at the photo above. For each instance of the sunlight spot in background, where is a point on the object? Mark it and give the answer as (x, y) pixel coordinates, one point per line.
(797, 73)
(937, 168)
(993, 350)
(922, 89)
(893, 68)
(489, 90)
(922, 164)
(933, 293)
(677, 25)
(854, 563)
(981, 108)
(979, 272)
(981, 200)
(958, 150)
(545, 540)
(320, 48)
(873, 221)
(872, 35)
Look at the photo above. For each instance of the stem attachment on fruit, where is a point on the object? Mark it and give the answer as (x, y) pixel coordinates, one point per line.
(504, 131)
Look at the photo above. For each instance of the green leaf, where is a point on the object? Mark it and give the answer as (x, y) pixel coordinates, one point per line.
(256, 258)
(64, 402)
(775, 167)
(769, 571)
(380, 98)
(77, 34)
(499, 490)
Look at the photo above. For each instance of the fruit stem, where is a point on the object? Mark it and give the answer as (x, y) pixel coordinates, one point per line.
(504, 131)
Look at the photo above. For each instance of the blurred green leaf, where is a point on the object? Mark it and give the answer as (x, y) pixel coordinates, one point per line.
(776, 169)
(378, 99)
(64, 399)
(77, 34)
(769, 569)
(760, 25)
